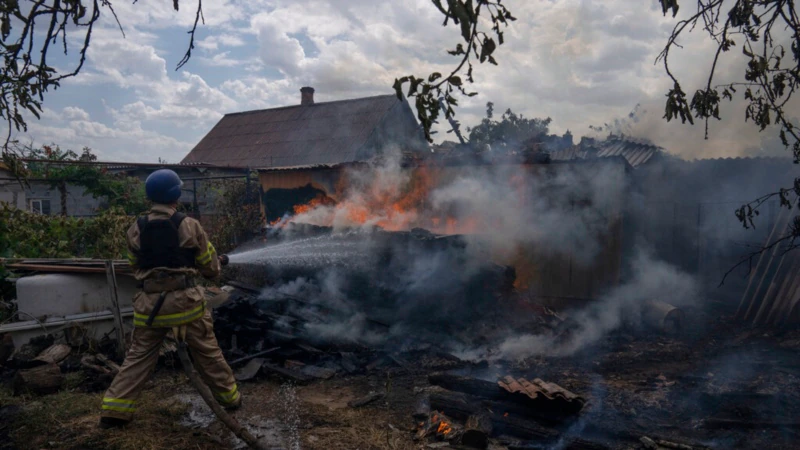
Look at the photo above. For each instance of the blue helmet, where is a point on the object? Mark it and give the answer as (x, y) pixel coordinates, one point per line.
(163, 186)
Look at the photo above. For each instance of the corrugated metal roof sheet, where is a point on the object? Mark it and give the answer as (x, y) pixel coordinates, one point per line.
(543, 394)
(636, 153)
(327, 133)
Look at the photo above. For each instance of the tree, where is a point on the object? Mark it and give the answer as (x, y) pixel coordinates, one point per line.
(771, 76)
(28, 32)
(63, 167)
(478, 45)
(509, 132)
(768, 33)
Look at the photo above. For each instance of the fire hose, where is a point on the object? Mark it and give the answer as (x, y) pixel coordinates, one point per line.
(205, 392)
(203, 389)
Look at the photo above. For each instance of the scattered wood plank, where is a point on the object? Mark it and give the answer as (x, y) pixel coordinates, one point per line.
(365, 400)
(715, 423)
(103, 359)
(249, 371)
(54, 354)
(254, 355)
(318, 372)
(461, 406)
(542, 407)
(291, 374)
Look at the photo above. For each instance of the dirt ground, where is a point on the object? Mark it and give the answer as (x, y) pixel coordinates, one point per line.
(172, 416)
(678, 388)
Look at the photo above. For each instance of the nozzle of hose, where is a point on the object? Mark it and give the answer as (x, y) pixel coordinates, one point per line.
(224, 260)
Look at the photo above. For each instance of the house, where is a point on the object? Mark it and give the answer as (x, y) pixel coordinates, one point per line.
(301, 150)
(39, 196)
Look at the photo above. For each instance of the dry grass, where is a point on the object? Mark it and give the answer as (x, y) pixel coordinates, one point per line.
(68, 420)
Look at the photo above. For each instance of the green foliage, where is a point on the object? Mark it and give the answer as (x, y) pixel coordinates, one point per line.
(511, 130)
(238, 213)
(118, 190)
(436, 91)
(28, 235)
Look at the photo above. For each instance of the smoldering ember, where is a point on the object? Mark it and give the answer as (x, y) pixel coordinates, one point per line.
(331, 275)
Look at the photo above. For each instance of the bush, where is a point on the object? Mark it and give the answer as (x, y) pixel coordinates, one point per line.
(28, 235)
(237, 217)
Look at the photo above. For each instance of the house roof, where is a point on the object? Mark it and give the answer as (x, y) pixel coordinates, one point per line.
(327, 133)
(635, 152)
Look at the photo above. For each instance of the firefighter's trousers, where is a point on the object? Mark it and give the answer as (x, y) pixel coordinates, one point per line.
(120, 399)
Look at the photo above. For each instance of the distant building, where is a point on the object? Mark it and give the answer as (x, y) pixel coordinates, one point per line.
(41, 197)
(636, 152)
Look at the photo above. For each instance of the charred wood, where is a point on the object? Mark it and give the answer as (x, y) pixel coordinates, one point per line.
(318, 372)
(103, 359)
(461, 406)
(278, 337)
(365, 400)
(542, 409)
(716, 423)
(6, 348)
(477, 430)
(46, 379)
(290, 374)
(573, 444)
(254, 355)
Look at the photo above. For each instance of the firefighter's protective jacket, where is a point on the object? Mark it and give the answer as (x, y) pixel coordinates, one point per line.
(180, 306)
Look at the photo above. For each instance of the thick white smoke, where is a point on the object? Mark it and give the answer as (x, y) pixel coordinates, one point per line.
(556, 209)
(564, 211)
(651, 280)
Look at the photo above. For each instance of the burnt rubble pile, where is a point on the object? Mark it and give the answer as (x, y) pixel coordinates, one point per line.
(469, 411)
(374, 284)
(41, 366)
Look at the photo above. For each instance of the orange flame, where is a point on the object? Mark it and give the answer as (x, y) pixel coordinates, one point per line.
(394, 206)
(444, 428)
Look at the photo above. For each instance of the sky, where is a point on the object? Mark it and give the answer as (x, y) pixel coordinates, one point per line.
(579, 62)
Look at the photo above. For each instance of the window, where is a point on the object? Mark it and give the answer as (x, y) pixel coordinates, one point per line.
(40, 206)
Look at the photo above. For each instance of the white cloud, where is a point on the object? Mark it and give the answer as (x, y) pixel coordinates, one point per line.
(214, 42)
(74, 113)
(576, 61)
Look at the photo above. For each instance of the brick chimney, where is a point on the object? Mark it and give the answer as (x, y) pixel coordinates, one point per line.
(307, 96)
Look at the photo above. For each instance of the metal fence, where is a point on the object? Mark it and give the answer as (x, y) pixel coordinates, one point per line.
(705, 239)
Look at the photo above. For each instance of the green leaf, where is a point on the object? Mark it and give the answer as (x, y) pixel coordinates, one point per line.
(455, 80)
(398, 87)
(434, 76)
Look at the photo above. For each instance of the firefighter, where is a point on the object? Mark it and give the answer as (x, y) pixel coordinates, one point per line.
(168, 251)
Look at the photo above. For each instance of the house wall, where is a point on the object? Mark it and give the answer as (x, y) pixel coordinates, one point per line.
(11, 192)
(79, 203)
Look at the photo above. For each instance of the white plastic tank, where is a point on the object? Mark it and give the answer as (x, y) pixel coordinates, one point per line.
(66, 294)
